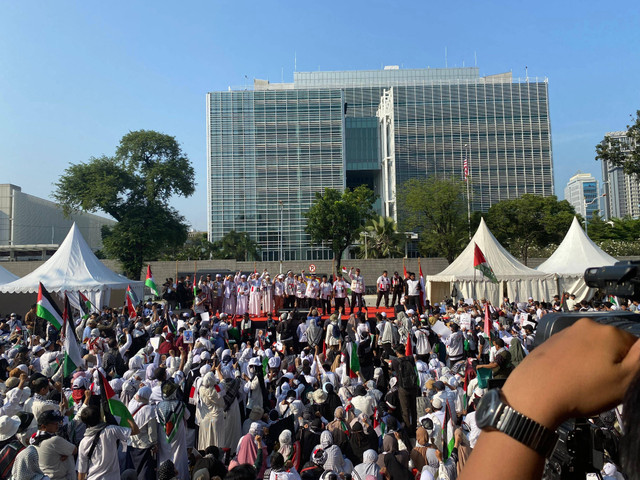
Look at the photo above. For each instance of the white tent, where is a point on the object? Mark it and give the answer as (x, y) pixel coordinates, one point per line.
(6, 276)
(74, 268)
(576, 253)
(515, 280)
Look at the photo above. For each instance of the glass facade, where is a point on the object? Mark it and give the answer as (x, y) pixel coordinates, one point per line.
(284, 142)
(267, 147)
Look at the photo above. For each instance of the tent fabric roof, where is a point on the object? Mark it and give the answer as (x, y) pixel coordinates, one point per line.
(72, 267)
(6, 276)
(504, 265)
(576, 253)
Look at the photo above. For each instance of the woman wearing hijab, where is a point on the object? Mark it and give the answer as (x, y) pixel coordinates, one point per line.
(26, 466)
(395, 470)
(141, 444)
(252, 450)
(210, 410)
(367, 467)
(172, 415)
(361, 441)
(232, 431)
(289, 449)
(362, 403)
(332, 402)
(335, 460)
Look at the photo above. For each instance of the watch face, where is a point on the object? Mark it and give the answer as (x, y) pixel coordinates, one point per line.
(487, 409)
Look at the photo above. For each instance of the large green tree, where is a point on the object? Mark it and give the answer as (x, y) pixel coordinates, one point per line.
(626, 155)
(531, 220)
(337, 218)
(380, 239)
(236, 245)
(436, 210)
(134, 186)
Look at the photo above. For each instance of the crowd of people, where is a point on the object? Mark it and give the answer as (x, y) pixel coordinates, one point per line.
(210, 392)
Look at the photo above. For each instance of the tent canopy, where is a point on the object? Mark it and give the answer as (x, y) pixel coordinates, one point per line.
(73, 267)
(575, 254)
(516, 280)
(6, 276)
(504, 265)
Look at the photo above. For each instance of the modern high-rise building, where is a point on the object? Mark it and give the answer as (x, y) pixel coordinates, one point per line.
(622, 191)
(271, 149)
(582, 192)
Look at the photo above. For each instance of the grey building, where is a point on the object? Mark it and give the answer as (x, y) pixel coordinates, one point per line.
(33, 228)
(272, 148)
(622, 191)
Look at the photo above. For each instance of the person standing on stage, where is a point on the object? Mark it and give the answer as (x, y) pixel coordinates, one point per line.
(383, 285)
(278, 293)
(312, 293)
(397, 285)
(340, 293)
(357, 289)
(289, 290)
(326, 290)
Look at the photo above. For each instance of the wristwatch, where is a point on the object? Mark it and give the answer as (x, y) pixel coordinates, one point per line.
(493, 414)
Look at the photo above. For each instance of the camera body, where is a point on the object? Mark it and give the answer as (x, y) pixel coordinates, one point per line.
(580, 451)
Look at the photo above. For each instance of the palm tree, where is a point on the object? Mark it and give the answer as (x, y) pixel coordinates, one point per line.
(380, 239)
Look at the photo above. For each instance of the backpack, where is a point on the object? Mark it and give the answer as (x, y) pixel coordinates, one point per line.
(335, 331)
(407, 376)
(7, 456)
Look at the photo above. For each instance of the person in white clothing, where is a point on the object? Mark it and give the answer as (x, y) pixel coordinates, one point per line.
(383, 285)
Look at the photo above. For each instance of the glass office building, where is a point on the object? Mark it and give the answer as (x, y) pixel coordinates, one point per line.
(271, 148)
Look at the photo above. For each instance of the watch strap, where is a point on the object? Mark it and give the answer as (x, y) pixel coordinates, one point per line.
(526, 431)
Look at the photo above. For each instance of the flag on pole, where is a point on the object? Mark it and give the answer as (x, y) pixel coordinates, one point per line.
(466, 169)
(47, 309)
(150, 283)
(614, 301)
(132, 302)
(345, 273)
(116, 407)
(423, 297)
(408, 351)
(404, 267)
(85, 305)
(480, 263)
(448, 429)
(195, 282)
(72, 356)
(354, 363)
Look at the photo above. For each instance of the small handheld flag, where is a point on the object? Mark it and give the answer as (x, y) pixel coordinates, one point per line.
(150, 283)
(47, 308)
(72, 356)
(132, 302)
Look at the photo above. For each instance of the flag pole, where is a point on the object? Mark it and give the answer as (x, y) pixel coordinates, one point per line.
(466, 179)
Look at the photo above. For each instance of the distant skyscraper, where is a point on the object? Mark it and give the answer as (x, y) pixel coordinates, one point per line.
(622, 190)
(272, 148)
(582, 193)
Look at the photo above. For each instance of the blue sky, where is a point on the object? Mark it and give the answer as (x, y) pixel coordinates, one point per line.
(76, 76)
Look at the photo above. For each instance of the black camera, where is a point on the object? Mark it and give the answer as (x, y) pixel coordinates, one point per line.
(581, 446)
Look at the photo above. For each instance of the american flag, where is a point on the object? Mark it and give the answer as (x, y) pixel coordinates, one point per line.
(466, 169)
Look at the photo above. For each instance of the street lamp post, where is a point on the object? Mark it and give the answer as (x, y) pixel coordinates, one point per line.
(410, 236)
(281, 203)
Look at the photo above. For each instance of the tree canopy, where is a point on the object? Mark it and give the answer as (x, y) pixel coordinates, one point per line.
(622, 154)
(134, 186)
(437, 211)
(233, 245)
(531, 220)
(380, 239)
(338, 217)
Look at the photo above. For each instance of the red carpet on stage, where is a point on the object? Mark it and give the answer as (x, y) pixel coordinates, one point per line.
(371, 311)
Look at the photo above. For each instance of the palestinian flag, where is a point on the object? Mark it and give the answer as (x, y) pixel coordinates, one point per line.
(354, 362)
(448, 429)
(404, 268)
(116, 407)
(480, 263)
(150, 283)
(378, 424)
(72, 356)
(47, 308)
(132, 302)
(614, 301)
(85, 305)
